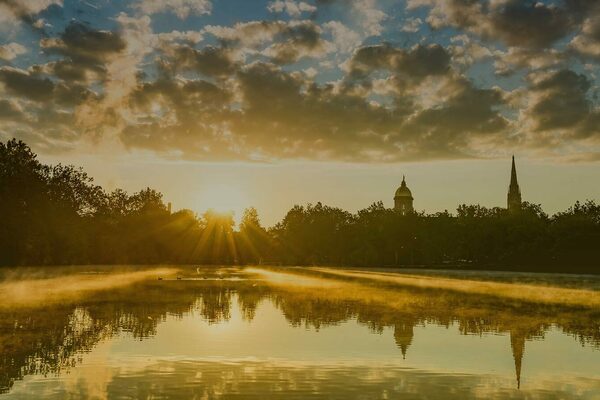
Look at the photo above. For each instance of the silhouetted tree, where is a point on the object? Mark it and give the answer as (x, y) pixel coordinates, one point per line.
(254, 243)
(57, 215)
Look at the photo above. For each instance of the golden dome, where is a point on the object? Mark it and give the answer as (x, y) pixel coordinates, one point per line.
(403, 190)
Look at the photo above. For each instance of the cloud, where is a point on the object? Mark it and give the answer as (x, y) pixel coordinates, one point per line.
(10, 109)
(262, 112)
(86, 51)
(192, 37)
(188, 116)
(181, 8)
(24, 11)
(466, 51)
(518, 23)
(366, 14)
(269, 89)
(411, 25)
(408, 66)
(11, 51)
(507, 62)
(344, 38)
(108, 115)
(210, 60)
(246, 34)
(24, 84)
(371, 16)
(297, 40)
(467, 111)
(558, 100)
(292, 8)
(587, 42)
(283, 42)
(41, 89)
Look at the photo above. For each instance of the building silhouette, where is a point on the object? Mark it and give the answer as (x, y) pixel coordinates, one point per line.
(403, 200)
(403, 335)
(514, 193)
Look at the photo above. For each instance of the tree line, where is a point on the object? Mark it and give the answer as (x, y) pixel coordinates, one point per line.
(55, 214)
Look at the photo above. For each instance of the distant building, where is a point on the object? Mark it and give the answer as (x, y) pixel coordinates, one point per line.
(403, 200)
(514, 193)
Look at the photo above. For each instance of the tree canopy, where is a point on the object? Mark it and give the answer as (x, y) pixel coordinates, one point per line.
(57, 215)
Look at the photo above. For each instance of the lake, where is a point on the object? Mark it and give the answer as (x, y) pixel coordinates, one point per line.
(188, 332)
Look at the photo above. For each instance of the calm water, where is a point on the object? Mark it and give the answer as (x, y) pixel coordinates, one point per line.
(222, 333)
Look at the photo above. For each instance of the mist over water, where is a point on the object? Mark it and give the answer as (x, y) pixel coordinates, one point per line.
(210, 333)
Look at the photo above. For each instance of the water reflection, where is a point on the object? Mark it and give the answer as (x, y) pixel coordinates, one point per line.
(217, 333)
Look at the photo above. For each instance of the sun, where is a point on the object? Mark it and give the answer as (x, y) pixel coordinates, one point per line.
(223, 198)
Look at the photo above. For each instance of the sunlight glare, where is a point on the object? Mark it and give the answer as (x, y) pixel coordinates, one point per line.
(223, 198)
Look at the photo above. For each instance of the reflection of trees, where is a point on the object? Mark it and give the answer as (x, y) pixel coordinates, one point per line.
(402, 309)
(215, 304)
(45, 341)
(48, 340)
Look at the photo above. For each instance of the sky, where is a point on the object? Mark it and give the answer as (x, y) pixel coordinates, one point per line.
(234, 103)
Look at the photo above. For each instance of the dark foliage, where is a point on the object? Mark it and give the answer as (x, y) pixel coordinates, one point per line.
(56, 215)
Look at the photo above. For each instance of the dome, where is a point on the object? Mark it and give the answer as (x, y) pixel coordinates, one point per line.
(403, 190)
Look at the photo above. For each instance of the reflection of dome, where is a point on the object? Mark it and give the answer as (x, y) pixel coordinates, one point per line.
(403, 190)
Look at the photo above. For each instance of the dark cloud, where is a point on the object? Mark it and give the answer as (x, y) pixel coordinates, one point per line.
(416, 63)
(561, 103)
(284, 115)
(24, 84)
(85, 50)
(587, 42)
(405, 69)
(81, 41)
(519, 23)
(190, 118)
(295, 41)
(25, 11)
(282, 42)
(70, 71)
(192, 94)
(42, 89)
(280, 115)
(210, 61)
(244, 97)
(73, 94)
(468, 113)
(530, 23)
(9, 110)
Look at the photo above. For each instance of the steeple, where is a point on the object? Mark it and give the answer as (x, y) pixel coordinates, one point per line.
(517, 344)
(514, 193)
(513, 173)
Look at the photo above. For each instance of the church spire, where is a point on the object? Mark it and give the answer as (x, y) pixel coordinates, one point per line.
(513, 174)
(514, 193)
(517, 344)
